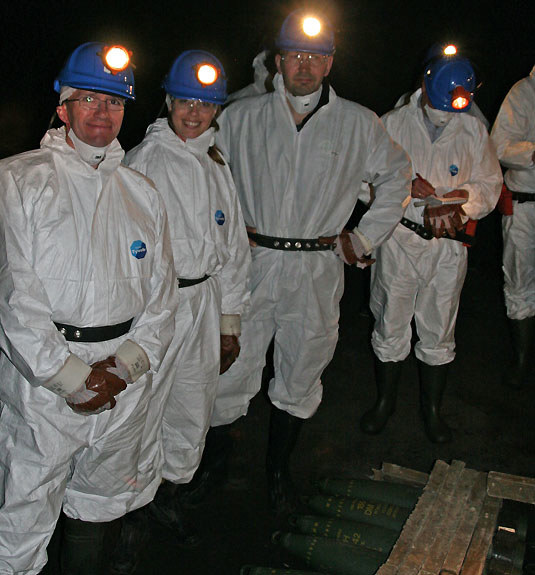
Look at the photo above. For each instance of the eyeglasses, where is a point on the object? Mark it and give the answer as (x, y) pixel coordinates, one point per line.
(93, 103)
(193, 103)
(298, 58)
(198, 104)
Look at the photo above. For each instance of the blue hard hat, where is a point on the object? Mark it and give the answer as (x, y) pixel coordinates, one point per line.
(88, 68)
(450, 83)
(293, 35)
(199, 75)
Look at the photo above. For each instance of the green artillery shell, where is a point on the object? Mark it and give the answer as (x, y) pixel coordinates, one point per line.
(395, 493)
(367, 511)
(357, 533)
(329, 555)
(253, 570)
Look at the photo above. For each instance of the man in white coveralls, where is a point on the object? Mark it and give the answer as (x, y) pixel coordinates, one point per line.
(87, 305)
(299, 156)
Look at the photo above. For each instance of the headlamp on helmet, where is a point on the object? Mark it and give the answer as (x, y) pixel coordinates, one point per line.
(116, 58)
(207, 74)
(311, 26)
(450, 50)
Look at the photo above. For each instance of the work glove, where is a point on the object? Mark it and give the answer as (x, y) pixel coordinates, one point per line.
(230, 350)
(97, 394)
(350, 249)
(112, 364)
(447, 218)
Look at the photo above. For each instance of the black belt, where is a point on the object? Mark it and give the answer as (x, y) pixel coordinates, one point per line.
(93, 334)
(293, 244)
(186, 282)
(426, 234)
(522, 197)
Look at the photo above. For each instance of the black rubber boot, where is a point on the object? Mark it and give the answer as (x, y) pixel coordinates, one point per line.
(132, 540)
(522, 339)
(82, 547)
(167, 511)
(213, 469)
(386, 378)
(433, 380)
(283, 433)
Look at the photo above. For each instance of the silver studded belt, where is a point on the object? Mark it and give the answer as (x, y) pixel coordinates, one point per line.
(93, 334)
(293, 244)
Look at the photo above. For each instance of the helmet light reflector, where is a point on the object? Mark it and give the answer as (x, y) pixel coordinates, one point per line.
(311, 26)
(207, 74)
(460, 98)
(450, 50)
(116, 58)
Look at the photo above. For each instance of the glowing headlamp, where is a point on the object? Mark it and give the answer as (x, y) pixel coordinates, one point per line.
(450, 50)
(207, 74)
(116, 58)
(460, 98)
(311, 26)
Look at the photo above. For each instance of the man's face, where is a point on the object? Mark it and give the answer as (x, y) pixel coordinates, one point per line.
(95, 126)
(303, 73)
(191, 118)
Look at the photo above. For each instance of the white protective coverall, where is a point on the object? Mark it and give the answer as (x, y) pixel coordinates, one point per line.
(68, 234)
(301, 184)
(514, 136)
(423, 278)
(208, 238)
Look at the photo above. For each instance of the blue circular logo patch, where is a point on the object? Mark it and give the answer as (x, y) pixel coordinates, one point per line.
(138, 249)
(220, 217)
(454, 170)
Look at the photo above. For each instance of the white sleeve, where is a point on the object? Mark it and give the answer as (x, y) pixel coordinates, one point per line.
(234, 274)
(28, 337)
(389, 170)
(509, 132)
(486, 179)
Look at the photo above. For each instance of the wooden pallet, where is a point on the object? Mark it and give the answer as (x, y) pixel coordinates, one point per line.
(451, 528)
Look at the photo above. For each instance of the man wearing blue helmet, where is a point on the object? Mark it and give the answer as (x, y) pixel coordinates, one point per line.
(421, 268)
(212, 259)
(87, 304)
(438, 51)
(514, 136)
(298, 156)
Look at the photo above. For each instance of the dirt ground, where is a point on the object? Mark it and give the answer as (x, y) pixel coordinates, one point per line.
(493, 428)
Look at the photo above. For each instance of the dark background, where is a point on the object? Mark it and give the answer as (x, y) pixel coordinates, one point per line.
(380, 48)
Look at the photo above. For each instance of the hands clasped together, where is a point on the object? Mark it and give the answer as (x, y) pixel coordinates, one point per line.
(107, 379)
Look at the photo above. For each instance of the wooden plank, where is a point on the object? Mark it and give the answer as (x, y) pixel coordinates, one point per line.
(482, 538)
(456, 507)
(513, 487)
(461, 539)
(430, 532)
(416, 520)
(399, 474)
